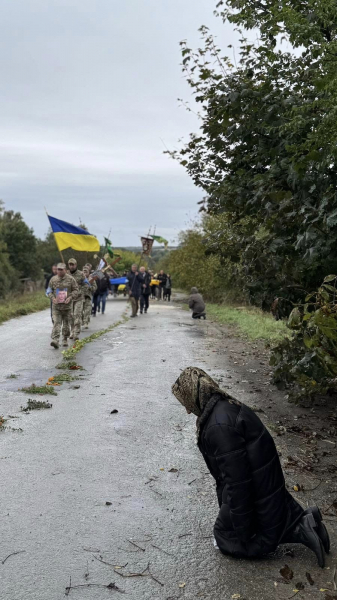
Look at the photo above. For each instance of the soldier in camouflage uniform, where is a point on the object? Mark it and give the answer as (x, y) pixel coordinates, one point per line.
(88, 294)
(76, 316)
(63, 291)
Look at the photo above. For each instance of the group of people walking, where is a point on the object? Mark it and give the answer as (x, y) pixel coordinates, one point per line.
(75, 296)
(144, 284)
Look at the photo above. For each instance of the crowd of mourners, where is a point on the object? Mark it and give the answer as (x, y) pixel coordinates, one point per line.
(76, 295)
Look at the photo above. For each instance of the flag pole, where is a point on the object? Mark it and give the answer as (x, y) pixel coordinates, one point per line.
(55, 238)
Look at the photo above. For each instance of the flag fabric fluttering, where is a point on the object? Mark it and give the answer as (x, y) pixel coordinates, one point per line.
(108, 246)
(69, 236)
(160, 240)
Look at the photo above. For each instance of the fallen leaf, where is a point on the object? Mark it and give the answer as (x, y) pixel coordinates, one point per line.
(286, 573)
(161, 469)
(299, 586)
(173, 470)
(182, 585)
(236, 596)
(297, 488)
(309, 578)
(114, 411)
(108, 503)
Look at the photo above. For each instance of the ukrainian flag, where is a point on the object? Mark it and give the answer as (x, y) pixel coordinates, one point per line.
(69, 236)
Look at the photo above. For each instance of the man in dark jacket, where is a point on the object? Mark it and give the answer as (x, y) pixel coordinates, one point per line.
(136, 282)
(256, 511)
(101, 293)
(162, 281)
(197, 304)
(145, 291)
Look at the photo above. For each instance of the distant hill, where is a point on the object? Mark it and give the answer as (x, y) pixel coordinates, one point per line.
(155, 249)
(158, 252)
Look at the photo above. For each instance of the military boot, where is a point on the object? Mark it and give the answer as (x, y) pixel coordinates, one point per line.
(65, 343)
(54, 344)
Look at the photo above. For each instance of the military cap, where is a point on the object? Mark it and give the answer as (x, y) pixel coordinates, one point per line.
(72, 261)
(61, 266)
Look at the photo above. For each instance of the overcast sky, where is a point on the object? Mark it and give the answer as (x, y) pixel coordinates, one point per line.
(88, 89)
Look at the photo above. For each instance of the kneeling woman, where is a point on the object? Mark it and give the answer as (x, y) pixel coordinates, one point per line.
(256, 511)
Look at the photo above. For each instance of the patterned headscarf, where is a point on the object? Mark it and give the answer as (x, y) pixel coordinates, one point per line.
(199, 393)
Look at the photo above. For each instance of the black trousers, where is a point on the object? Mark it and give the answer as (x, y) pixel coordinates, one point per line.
(144, 301)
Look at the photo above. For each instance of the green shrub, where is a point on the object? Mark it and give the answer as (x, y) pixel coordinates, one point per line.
(307, 362)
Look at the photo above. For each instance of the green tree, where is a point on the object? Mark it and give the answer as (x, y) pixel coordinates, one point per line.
(189, 266)
(266, 151)
(47, 252)
(21, 244)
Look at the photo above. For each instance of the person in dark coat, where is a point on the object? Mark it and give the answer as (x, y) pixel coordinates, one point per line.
(162, 281)
(101, 294)
(145, 291)
(168, 288)
(197, 304)
(257, 513)
(136, 282)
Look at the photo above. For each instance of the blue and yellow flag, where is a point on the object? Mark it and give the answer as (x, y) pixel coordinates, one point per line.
(69, 236)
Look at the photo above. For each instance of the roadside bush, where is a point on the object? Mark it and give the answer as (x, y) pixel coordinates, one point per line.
(307, 362)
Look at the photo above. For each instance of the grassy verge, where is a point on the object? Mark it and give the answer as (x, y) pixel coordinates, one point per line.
(252, 322)
(22, 305)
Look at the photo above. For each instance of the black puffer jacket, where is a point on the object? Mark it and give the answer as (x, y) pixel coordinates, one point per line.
(255, 508)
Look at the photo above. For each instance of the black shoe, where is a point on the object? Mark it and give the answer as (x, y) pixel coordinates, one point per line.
(321, 530)
(305, 533)
(141, 312)
(145, 311)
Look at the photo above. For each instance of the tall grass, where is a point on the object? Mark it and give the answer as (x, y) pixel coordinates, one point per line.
(252, 322)
(22, 305)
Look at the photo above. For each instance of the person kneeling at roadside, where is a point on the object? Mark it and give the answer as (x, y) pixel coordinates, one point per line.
(197, 304)
(257, 513)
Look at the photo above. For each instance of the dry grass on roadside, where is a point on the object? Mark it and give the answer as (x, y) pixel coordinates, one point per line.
(22, 305)
(252, 322)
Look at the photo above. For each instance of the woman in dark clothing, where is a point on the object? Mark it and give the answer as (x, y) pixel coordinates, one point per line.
(256, 511)
(197, 304)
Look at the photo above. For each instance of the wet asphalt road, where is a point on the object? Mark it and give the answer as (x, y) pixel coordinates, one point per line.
(58, 473)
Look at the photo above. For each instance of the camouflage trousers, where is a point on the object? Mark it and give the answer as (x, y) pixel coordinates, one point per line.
(87, 304)
(76, 318)
(61, 321)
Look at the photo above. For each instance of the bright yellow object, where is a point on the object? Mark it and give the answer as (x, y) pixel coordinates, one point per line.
(69, 236)
(121, 287)
(154, 282)
(82, 243)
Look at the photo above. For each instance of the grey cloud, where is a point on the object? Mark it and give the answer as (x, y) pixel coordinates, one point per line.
(88, 91)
